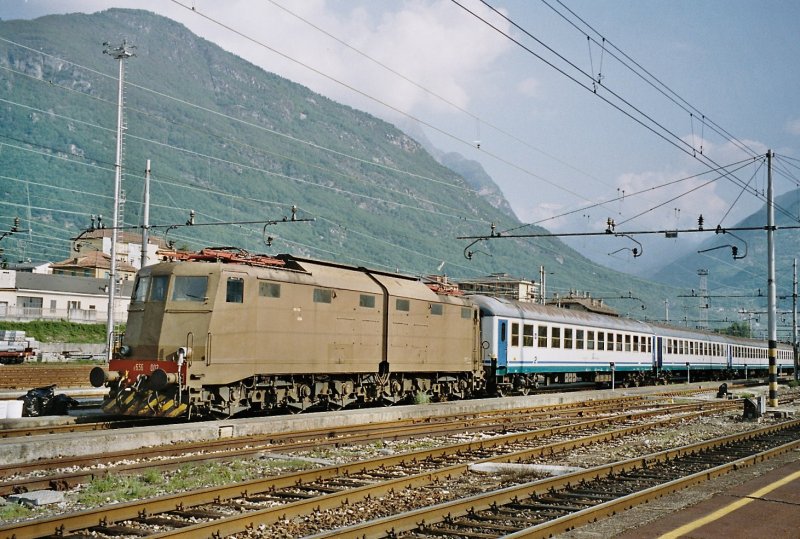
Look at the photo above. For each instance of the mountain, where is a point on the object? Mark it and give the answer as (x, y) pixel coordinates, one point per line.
(240, 146)
(746, 274)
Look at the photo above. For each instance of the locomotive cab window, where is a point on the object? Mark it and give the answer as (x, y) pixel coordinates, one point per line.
(190, 288)
(158, 288)
(234, 291)
(466, 313)
(141, 287)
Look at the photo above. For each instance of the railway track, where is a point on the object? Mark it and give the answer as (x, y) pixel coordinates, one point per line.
(174, 456)
(39, 375)
(543, 508)
(233, 508)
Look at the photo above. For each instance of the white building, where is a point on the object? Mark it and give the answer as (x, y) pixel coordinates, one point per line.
(32, 296)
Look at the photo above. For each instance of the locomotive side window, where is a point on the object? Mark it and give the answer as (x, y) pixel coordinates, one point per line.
(403, 305)
(158, 290)
(579, 339)
(514, 334)
(527, 335)
(141, 288)
(366, 300)
(234, 293)
(436, 308)
(269, 290)
(189, 288)
(322, 295)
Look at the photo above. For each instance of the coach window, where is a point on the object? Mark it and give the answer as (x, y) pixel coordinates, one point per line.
(368, 301)
(402, 305)
(590, 340)
(579, 339)
(269, 290)
(568, 338)
(190, 288)
(158, 289)
(542, 336)
(234, 293)
(627, 343)
(555, 337)
(669, 346)
(436, 308)
(619, 342)
(635, 343)
(514, 334)
(601, 340)
(527, 335)
(649, 344)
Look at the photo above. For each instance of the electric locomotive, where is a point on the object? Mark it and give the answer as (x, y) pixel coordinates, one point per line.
(221, 332)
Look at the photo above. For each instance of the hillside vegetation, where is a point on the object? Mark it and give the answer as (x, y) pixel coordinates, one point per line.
(235, 143)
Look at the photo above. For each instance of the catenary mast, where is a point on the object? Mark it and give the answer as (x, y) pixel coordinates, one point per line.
(120, 53)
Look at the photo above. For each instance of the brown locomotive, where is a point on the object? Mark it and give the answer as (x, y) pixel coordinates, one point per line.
(221, 332)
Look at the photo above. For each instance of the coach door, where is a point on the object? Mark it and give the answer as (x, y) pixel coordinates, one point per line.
(502, 343)
(658, 354)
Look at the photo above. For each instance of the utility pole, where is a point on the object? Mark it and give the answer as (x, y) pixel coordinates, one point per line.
(772, 399)
(120, 53)
(666, 310)
(145, 216)
(703, 274)
(794, 321)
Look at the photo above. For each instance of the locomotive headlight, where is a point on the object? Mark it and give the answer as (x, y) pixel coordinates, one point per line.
(185, 352)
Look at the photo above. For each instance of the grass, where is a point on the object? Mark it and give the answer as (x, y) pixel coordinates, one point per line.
(13, 511)
(59, 331)
(122, 488)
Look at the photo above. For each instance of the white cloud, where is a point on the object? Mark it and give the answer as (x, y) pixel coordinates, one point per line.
(793, 126)
(529, 87)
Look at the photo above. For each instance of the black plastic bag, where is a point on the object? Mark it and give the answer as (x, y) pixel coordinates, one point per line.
(37, 401)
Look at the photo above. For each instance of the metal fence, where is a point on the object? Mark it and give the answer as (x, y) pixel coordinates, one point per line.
(79, 316)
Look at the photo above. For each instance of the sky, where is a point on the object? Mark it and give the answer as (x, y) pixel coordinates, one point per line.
(545, 94)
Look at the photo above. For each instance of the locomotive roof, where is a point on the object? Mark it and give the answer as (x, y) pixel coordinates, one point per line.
(548, 313)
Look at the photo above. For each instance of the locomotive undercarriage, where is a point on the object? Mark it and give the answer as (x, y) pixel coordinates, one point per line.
(328, 392)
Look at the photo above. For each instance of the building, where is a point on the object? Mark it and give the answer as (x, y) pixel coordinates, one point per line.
(128, 251)
(32, 296)
(583, 302)
(93, 264)
(502, 285)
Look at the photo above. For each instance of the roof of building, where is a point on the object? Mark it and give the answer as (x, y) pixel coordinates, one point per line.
(67, 284)
(92, 259)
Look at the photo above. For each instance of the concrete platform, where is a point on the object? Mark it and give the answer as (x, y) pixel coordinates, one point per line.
(15, 450)
(765, 506)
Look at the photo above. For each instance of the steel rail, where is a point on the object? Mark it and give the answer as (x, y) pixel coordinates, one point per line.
(246, 447)
(411, 520)
(132, 510)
